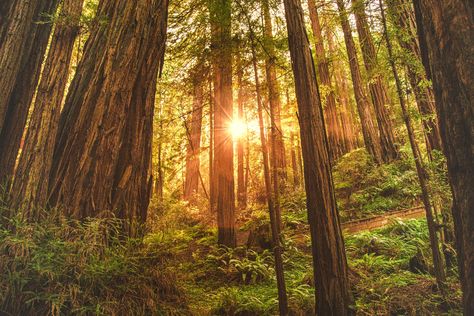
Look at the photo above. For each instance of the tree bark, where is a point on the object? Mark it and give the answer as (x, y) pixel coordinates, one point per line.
(220, 14)
(102, 159)
(22, 51)
(193, 150)
(329, 258)
(369, 131)
(337, 145)
(439, 271)
(377, 84)
(274, 97)
(403, 16)
(271, 198)
(341, 86)
(241, 188)
(30, 187)
(446, 32)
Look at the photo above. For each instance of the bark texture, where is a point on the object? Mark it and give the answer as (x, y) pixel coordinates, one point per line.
(329, 258)
(220, 15)
(369, 129)
(102, 159)
(241, 186)
(446, 32)
(22, 48)
(193, 150)
(403, 16)
(337, 146)
(377, 83)
(30, 187)
(274, 96)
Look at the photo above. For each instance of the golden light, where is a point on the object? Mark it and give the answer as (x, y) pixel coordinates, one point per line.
(237, 128)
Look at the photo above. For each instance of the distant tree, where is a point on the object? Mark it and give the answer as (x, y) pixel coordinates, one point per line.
(377, 83)
(337, 145)
(369, 129)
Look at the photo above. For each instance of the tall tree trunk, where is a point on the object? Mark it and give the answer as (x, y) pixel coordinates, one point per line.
(274, 97)
(30, 187)
(341, 86)
(377, 85)
(193, 150)
(220, 14)
(420, 168)
(337, 145)
(241, 188)
(22, 50)
(212, 174)
(294, 162)
(271, 199)
(446, 32)
(329, 258)
(369, 131)
(403, 16)
(102, 159)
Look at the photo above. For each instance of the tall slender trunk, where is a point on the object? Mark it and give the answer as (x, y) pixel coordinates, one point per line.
(294, 162)
(271, 199)
(220, 13)
(102, 159)
(341, 86)
(193, 150)
(329, 258)
(369, 131)
(337, 145)
(403, 16)
(30, 188)
(212, 174)
(22, 49)
(446, 32)
(241, 188)
(420, 168)
(377, 83)
(274, 97)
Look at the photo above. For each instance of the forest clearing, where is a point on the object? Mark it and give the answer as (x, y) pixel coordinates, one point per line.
(237, 157)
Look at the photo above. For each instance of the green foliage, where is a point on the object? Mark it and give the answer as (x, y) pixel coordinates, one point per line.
(59, 266)
(364, 189)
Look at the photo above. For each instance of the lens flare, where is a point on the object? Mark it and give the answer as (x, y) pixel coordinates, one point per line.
(237, 128)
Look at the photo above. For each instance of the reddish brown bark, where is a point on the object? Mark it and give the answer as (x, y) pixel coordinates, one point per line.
(403, 16)
(193, 128)
(22, 48)
(102, 159)
(220, 16)
(337, 146)
(241, 186)
(274, 97)
(420, 168)
(446, 32)
(369, 131)
(329, 258)
(377, 84)
(30, 187)
(270, 197)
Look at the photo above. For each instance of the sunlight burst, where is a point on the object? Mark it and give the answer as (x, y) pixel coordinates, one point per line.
(237, 128)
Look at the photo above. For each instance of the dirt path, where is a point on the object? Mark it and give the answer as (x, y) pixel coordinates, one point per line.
(382, 220)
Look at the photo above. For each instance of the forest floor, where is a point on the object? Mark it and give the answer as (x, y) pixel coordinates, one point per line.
(59, 266)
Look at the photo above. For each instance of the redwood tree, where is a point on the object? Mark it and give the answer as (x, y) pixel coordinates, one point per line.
(377, 83)
(23, 44)
(335, 134)
(329, 258)
(369, 130)
(102, 159)
(30, 187)
(446, 32)
(220, 18)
